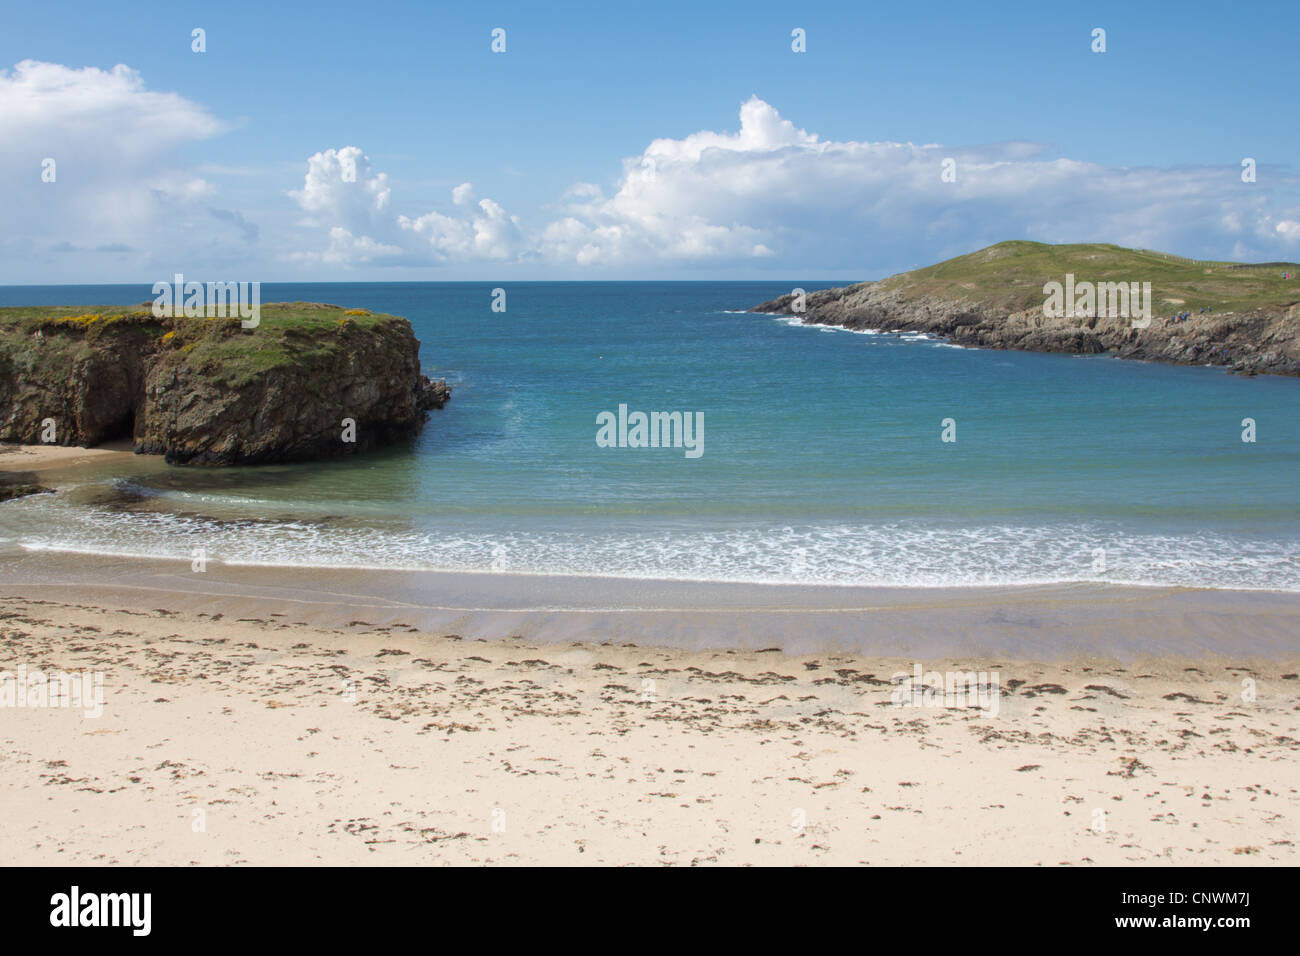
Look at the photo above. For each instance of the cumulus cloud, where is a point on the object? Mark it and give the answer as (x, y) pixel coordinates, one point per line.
(63, 107)
(486, 231)
(108, 143)
(340, 190)
(772, 192)
(768, 195)
(342, 194)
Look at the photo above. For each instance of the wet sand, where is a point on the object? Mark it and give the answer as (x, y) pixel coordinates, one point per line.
(264, 716)
(1044, 622)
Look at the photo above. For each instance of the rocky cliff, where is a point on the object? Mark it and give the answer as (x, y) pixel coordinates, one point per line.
(311, 381)
(1244, 318)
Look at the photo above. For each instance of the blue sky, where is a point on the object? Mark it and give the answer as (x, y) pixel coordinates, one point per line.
(201, 161)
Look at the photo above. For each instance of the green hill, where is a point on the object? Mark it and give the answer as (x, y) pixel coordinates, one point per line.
(1242, 316)
(1011, 275)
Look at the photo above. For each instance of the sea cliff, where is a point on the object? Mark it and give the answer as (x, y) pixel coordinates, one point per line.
(311, 381)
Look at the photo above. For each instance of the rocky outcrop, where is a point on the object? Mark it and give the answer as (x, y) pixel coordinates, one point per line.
(20, 489)
(1257, 340)
(432, 394)
(312, 381)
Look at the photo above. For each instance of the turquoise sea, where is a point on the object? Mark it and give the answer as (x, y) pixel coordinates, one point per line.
(822, 456)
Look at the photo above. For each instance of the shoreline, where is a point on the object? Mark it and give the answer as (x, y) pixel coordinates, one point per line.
(1029, 622)
(40, 469)
(46, 459)
(259, 716)
(947, 339)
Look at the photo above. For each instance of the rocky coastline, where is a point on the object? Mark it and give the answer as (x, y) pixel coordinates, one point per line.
(312, 381)
(1261, 338)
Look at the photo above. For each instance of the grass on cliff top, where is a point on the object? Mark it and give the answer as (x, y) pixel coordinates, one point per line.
(277, 317)
(288, 333)
(1011, 275)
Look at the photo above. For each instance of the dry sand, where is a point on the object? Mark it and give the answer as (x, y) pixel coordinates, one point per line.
(251, 736)
(40, 459)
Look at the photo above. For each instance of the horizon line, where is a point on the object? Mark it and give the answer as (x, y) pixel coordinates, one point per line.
(76, 285)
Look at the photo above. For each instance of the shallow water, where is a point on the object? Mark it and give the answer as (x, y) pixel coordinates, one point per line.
(822, 456)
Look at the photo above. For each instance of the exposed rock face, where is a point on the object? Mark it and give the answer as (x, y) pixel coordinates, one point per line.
(1262, 340)
(432, 394)
(131, 378)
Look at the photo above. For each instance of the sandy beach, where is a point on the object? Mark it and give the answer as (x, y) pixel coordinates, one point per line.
(45, 459)
(275, 715)
(246, 724)
(740, 436)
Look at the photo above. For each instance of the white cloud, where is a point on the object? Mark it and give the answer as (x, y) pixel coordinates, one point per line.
(340, 193)
(339, 189)
(773, 190)
(62, 107)
(773, 194)
(485, 232)
(777, 194)
(346, 249)
(768, 196)
(112, 142)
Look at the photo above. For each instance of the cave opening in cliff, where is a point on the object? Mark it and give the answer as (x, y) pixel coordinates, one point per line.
(121, 428)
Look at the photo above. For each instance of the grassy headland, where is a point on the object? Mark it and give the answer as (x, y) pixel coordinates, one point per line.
(1245, 317)
(1010, 275)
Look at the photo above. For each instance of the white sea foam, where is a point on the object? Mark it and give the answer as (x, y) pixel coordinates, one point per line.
(887, 554)
(902, 335)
